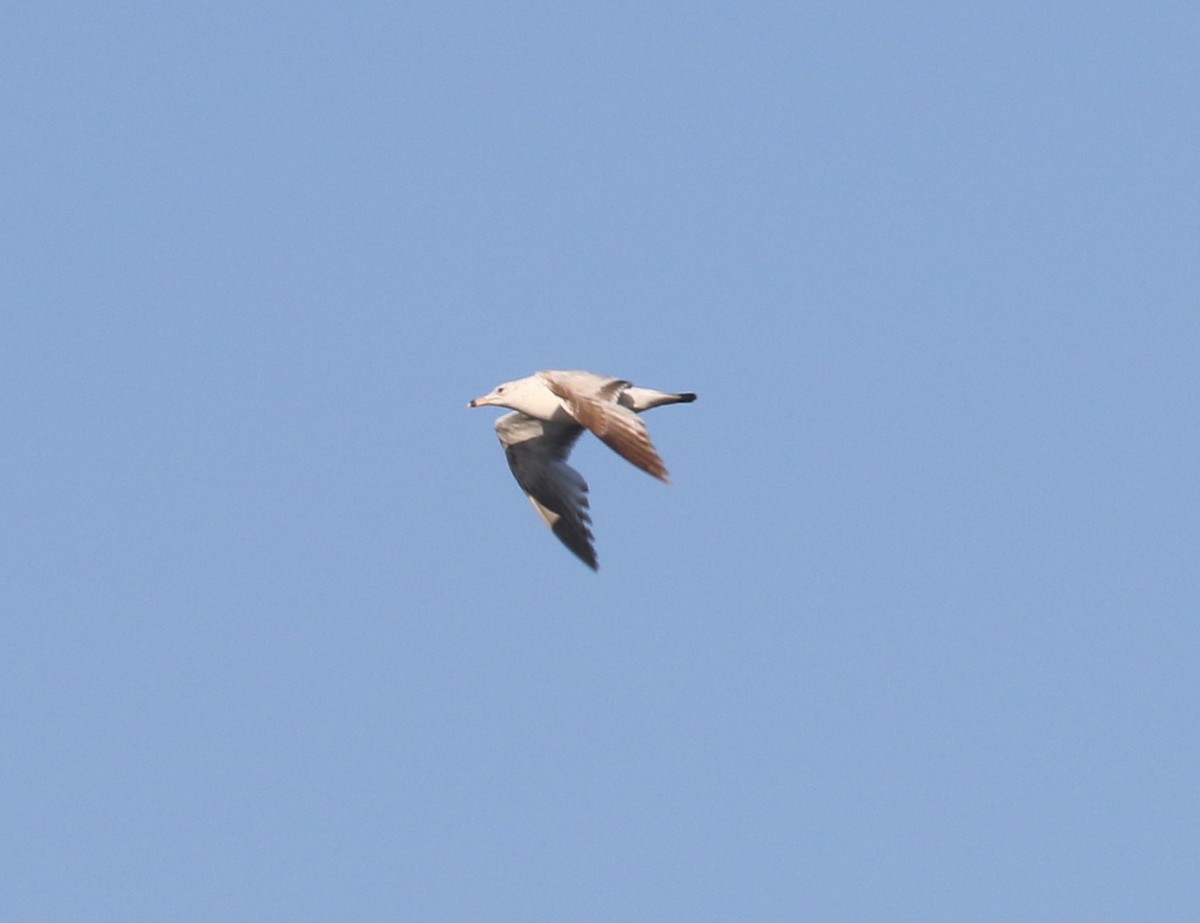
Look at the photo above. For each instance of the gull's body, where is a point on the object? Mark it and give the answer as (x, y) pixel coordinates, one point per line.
(552, 409)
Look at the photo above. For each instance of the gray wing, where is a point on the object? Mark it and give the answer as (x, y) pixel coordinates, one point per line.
(537, 453)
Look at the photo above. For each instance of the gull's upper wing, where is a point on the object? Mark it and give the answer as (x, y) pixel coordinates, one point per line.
(592, 401)
(537, 453)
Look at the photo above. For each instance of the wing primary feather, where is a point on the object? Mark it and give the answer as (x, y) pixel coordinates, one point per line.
(536, 451)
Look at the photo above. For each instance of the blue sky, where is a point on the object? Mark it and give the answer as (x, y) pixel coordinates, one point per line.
(912, 636)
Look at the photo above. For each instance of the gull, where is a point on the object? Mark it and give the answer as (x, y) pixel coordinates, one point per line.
(550, 411)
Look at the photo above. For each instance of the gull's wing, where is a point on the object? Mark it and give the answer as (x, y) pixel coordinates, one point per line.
(592, 401)
(537, 453)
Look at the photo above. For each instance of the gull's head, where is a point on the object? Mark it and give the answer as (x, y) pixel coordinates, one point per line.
(497, 397)
(529, 396)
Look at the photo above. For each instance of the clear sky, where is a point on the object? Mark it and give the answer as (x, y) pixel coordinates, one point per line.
(913, 635)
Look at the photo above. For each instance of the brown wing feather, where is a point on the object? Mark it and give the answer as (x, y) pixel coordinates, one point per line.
(617, 427)
(612, 390)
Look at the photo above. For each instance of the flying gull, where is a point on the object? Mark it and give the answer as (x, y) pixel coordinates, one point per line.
(551, 410)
